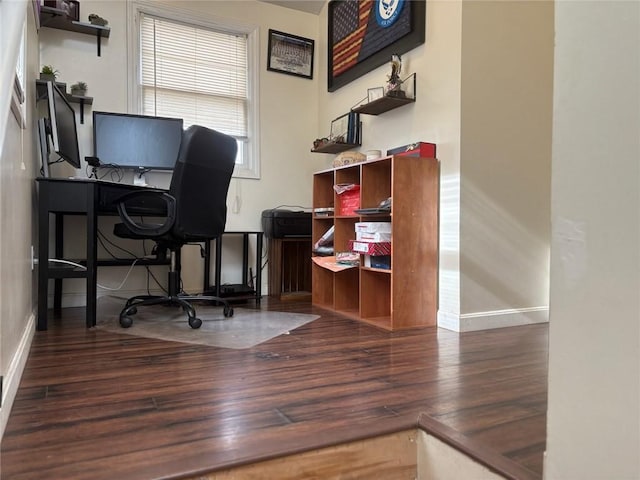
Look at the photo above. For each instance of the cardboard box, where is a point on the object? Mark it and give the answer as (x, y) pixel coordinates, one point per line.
(418, 149)
(373, 237)
(370, 248)
(373, 227)
(378, 261)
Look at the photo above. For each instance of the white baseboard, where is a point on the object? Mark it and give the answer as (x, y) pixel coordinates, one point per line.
(469, 322)
(14, 372)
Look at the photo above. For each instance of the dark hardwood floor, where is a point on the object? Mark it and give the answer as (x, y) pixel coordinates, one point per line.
(98, 405)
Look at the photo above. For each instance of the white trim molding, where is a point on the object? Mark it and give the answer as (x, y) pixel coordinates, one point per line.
(469, 322)
(14, 372)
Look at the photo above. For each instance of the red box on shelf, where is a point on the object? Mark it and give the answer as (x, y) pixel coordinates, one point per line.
(370, 248)
(418, 149)
(349, 201)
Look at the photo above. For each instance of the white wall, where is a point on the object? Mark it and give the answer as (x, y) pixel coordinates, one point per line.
(507, 84)
(593, 422)
(287, 120)
(17, 170)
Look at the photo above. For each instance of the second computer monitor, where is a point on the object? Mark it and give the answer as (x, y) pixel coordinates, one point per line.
(138, 142)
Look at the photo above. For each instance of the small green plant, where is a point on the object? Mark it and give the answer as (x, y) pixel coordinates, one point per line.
(79, 86)
(49, 70)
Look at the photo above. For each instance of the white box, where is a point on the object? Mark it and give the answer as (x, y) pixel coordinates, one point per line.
(373, 237)
(373, 227)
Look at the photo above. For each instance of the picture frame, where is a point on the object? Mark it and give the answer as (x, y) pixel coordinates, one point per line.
(339, 129)
(36, 13)
(73, 10)
(361, 38)
(374, 93)
(290, 54)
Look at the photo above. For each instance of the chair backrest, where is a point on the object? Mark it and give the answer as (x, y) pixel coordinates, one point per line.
(200, 183)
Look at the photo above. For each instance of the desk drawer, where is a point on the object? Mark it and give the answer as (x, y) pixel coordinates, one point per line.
(109, 194)
(68, 197)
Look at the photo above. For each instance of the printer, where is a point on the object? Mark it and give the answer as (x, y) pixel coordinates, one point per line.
(283, 223)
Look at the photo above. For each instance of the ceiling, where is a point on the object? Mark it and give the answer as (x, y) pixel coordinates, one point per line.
(309, 6)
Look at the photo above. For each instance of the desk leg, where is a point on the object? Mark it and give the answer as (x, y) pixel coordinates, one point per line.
(43, 255)
(245, 259)
(218, 274)
(207, 266)
(59, 253)
(92, 253)
(258, 285)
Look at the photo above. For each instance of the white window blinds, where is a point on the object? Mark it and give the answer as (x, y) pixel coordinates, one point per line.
(194, 73)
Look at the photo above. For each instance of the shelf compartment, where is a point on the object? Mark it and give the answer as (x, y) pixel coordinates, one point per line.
(322, 291)
(346, 290)
(375, 295)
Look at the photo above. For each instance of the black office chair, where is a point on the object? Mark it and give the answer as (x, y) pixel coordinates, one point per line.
(196, 212)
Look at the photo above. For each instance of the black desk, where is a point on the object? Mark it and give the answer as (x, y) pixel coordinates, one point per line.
(88, 197)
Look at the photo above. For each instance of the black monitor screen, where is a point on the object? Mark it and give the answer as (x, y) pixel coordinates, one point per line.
(136, 141)
(62, 120)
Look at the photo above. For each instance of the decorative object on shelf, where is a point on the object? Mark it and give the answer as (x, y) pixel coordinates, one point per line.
(95, 19)
(349, 157)
(36, 12)
(364, 34)
(339, 129)
(393, 88)
(345, 133)
(374, 93)
(393, 95)
(48, 73)
(417, 149)
(79, 89)
(290, 54)
(72, 9)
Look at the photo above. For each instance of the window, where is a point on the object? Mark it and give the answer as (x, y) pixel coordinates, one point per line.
(202, 72)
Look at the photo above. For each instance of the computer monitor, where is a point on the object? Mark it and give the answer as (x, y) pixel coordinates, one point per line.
(62, 125)
(138, 142)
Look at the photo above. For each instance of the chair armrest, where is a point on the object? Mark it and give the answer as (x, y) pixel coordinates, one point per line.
(146, 229)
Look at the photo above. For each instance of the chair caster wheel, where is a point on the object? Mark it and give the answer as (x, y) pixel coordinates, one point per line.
(126, 322)
(195, 322)
(227, 311)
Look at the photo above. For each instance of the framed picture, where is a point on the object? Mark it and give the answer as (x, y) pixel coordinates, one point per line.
(36, 12)
(290, 54)
(73, 10)
(362, 35)
(340, 129)
(375, 93)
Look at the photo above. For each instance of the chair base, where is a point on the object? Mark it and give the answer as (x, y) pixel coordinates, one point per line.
(131, 307)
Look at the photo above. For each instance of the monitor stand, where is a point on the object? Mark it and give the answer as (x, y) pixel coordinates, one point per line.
(139, 179)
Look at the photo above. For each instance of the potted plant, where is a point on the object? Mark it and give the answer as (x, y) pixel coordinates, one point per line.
(48, 73)
(79, 89)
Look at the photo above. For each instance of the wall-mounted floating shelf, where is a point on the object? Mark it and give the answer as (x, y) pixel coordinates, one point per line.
(41, 94)
(55, 18)
(378, 101)
(335, 147)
